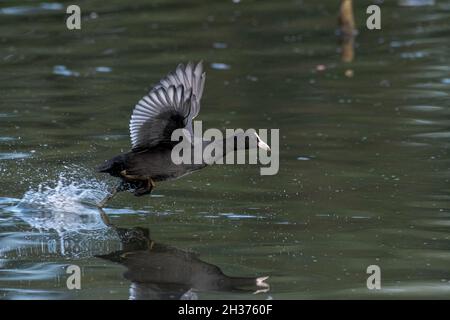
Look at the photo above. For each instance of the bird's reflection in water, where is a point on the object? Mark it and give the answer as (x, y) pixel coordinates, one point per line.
(158, 271)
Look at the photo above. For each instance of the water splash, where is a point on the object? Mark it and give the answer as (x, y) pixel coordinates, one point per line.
(66, 204)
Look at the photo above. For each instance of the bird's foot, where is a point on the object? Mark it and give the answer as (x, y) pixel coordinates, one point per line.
(146, 188)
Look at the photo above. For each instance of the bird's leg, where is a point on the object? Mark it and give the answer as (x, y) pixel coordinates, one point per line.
(104, 217)
(151, 183)
(132, 177)
(111, 195)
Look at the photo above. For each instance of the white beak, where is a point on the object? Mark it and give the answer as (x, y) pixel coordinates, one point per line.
(262, 144)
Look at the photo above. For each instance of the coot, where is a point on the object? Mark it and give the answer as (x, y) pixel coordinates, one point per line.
(172, 104)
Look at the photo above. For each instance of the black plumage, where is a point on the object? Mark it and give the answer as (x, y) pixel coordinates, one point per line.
(172, 104)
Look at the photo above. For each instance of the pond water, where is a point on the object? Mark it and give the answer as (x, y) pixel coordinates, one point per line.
(364, 152)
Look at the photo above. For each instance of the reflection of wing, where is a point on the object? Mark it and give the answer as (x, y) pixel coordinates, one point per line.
(170, 105)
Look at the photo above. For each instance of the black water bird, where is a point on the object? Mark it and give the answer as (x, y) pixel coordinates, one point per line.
(172, 104)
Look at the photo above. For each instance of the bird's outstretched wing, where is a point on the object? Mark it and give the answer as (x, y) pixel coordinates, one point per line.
(170, 105)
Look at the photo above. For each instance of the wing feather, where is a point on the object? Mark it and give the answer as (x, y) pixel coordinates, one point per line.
(170, 105)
